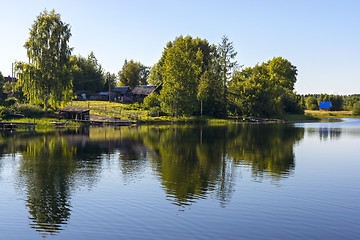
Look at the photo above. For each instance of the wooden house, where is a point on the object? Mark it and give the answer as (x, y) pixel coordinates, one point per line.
(121, 92)
(325, 106)
(142, 91)
(73, 113)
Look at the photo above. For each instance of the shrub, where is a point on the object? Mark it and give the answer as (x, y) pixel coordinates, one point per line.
(4, 111)
(9, 102)
(311, 103)
(152, 101)
(156, 112)
(29, 110)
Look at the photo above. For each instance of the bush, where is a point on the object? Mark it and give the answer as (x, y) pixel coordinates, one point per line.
(311, 103)
(152, 101)
(133, 106)
(156, 112)
(29, 110)
(356, 109)
(9, 102)
(4, 111)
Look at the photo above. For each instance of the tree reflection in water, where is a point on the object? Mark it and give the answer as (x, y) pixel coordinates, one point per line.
(50, 167)
(191, 162)
(197, 160)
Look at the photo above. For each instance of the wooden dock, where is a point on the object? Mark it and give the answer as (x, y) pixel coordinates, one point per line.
(14, 125)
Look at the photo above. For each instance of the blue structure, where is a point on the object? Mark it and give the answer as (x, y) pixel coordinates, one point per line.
(325, 106)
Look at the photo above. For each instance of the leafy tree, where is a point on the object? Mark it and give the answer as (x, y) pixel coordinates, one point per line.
(194, 56)
(323, 98)
(133, 73)
(87, 73)
(180, 75)
(356, 109)
(155, 76)
(208, 51)
(336, 102)
(152, 101)
(46, 78)
(209, 92)
(226, 55)
(112, 78)
(266, 89)
(349, 101)
(251, 93)
(311, 103)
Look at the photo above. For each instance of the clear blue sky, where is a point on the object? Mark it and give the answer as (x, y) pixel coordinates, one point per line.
(321, 38)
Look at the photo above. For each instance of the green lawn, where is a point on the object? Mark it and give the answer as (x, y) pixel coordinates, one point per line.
(330, 114)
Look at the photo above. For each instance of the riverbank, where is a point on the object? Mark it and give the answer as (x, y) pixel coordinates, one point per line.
(111, 111)
(330, 114)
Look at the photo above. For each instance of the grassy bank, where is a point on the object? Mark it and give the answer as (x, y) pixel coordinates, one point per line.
(102, 110)
(330, 114)
(44, 122)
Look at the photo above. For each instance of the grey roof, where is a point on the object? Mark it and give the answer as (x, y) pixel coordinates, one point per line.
(73, 109)
(144, 89)
(121, 90)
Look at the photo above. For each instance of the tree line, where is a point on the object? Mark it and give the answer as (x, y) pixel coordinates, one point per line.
(197, 78)
(338, 102)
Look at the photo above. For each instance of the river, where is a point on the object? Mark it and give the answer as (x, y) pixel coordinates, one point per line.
(245, 181)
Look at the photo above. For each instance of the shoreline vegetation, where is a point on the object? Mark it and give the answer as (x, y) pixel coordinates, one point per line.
(108, 111)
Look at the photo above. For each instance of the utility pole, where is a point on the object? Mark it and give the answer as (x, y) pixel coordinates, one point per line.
(108, 77)
(12, 78)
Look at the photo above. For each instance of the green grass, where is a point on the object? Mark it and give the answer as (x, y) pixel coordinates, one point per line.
(330, 114)
(42, 122)
(105, 110)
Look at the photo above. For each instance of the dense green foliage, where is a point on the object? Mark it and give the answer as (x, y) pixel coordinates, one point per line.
(46, 79)
(152, 101)
(210, 94)
(190, 67)
(339, 102)
(12, 106)
(266, 89)
(87, 74)
(356, 109)
(133, 74)
(181, 71)
(312, 103)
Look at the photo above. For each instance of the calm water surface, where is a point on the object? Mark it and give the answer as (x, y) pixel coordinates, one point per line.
(297, 181)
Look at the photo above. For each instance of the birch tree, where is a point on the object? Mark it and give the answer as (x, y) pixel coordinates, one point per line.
(46, 78)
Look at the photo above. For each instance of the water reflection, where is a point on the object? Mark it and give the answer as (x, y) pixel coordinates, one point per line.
(190, 162)
(49, 166)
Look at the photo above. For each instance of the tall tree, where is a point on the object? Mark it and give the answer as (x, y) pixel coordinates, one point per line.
(226, 54)
(87, 74)
(46, 78)
(133, 73)
(180, 75)
(208, 51)
(266, 89)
